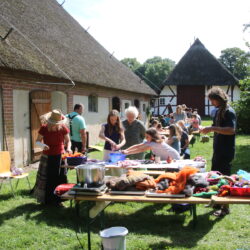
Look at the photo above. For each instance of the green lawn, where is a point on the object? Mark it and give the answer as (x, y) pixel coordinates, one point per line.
(24, 224)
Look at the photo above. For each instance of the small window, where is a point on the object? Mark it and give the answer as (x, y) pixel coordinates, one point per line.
(93, 103)
(144, 107)
(126, 105)
(162, 101)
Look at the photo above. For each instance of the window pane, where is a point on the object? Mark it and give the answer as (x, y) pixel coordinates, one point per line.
(93, 103)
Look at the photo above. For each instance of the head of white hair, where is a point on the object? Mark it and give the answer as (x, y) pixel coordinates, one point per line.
(132, 110)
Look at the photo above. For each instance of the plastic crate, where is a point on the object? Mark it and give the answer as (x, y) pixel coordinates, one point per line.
(237, 191)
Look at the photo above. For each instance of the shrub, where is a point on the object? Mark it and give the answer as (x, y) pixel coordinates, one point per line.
(242, 107)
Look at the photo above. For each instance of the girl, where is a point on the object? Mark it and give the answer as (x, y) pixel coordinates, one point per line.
(155, 143)
(113, 134)
(174, 138)
(195, 123)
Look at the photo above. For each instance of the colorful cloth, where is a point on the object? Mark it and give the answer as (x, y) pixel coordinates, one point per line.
(177, 180)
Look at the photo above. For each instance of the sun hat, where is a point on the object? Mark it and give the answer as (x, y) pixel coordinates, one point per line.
(54, 117)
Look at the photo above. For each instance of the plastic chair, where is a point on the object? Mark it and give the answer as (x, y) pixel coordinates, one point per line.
(5, 171)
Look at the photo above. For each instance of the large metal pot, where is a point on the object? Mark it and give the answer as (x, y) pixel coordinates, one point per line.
(91, 174)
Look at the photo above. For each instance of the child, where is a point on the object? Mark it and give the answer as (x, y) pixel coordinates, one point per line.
(156, 144)
(174, 138)
(195, 122)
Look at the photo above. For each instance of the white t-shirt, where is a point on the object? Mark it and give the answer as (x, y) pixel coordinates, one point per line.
(163, 150)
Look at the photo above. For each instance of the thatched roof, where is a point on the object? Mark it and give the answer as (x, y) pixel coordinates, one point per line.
(63, 39)
(199, 67)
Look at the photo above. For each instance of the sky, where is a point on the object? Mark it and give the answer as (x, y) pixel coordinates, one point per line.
(143, 29)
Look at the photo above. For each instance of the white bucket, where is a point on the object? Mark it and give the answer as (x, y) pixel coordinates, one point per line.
(113, 238)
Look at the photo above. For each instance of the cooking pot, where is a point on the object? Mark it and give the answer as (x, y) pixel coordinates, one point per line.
(91, 174)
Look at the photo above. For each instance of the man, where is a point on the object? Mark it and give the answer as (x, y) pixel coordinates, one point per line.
(224, 128)
(77, 129)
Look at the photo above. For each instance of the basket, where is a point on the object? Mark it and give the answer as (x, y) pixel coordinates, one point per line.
(75, 161)
(237, 191)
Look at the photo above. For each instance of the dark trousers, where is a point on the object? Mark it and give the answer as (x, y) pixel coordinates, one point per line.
(76, 145)
(55, 176)
(222, 164)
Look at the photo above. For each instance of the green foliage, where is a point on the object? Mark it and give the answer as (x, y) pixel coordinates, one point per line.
(242, 107)
(131, 63)
(246, 29)
(237, 61)
(153, 71)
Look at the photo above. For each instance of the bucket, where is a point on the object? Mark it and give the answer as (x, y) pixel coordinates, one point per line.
(113, 238)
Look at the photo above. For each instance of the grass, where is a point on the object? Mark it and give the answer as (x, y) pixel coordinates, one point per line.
(27, 225)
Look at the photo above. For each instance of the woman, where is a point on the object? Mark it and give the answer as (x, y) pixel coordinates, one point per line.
(134, 130)
(53, 136)
(154, 124)
(113, 134)
(156, 144)
(185, 152)
(179, 114)
(174, 138)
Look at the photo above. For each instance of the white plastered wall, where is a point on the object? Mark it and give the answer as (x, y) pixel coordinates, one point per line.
(93, 119)
(1, 121)
(21, 118)
(59, 101)
(123, 104)
(167, 92)
(144, 113)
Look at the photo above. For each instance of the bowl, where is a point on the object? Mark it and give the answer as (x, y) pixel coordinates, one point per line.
(115, 157)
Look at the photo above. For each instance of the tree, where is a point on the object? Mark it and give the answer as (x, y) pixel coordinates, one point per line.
(237, 61)
(131, 63)
(242, 107)
(153, 71)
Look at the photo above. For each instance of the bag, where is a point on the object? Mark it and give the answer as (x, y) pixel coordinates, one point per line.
(70, 123)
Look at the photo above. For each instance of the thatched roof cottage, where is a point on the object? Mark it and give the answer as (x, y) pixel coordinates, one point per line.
(197, 71)
(43, 52)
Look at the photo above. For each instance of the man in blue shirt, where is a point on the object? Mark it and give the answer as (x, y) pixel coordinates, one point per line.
(77, 129)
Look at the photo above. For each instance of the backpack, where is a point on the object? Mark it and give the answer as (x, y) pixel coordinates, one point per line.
(70, 123)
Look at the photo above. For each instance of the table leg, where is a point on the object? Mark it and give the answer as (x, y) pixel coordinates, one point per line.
(194, 215)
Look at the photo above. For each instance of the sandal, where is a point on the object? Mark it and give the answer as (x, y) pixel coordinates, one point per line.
(221, 212)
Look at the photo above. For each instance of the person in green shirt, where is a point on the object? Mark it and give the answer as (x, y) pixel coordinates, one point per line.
(77, 129)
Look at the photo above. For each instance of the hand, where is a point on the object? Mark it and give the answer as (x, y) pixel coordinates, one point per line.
(206, 130)
(68, 150)
(46, 147)
(84, 150)
(125, 152)
(113, 146)
(116, 147)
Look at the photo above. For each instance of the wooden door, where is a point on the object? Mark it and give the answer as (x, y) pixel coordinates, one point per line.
(40, 104)
(193, 97)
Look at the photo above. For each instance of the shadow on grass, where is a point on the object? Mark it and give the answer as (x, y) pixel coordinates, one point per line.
(149, 221)
(242, 158)
(9, 195)
(53, 216)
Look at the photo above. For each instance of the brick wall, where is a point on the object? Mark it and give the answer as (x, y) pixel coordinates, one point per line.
(10, 80)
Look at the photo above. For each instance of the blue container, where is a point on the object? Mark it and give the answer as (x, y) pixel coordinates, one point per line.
(115, 157)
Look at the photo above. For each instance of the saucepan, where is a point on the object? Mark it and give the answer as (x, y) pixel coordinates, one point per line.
(91, 174)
